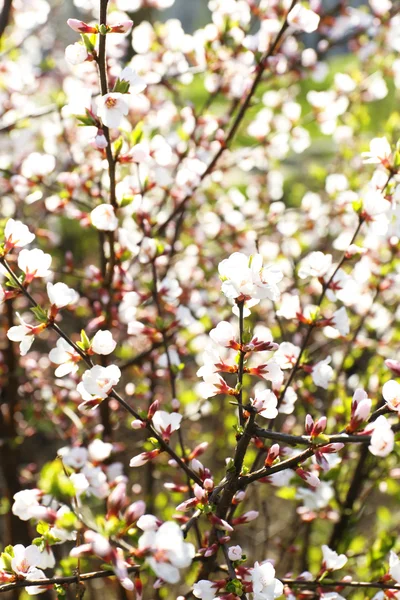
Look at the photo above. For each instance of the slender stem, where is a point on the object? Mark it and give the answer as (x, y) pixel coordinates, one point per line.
(112, 393)
(61, 580)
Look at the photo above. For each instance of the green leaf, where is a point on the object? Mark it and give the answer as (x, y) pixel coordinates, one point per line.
(40, 314)
(89, 41)
(122, 87)
(85, 342)
(137, 133)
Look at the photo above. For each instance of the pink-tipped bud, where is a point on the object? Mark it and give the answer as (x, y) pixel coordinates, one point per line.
(238, 497)
(208, 484)
(175, 404)
(393, 365)
(153, 408)
(220, 523)
(199, 493)
(186, 504)
(309, 478)
(138, 424)
(100, 140)
(175, 487)
(116, 499)
(199, 450)
(211, 550)
(134, 512)
(122, 27)
(142, 458)
(319, 427)
(81, 26)
(309, 424)
(272, 455)
(251, 515)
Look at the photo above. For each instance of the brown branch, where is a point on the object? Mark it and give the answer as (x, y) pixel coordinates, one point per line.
(61, 580)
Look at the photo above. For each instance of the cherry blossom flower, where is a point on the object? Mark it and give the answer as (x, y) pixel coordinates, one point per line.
(246, 278)
(76, 53)
(204, 589)
(394, 566)
(303, 19)
(25, 502)
(24, 333)
(166, 423)
(103, 217)
(65, 356)
(60, 295)
(382, 438)
(380, 152)
(391, 394)
(103, 343)
(265, 402)
(340, 320)
(98, 381)
(112, 108)
(223, 334)
(136, 83)
(99, 451)
(75, 457)
(265, 585)
(315, 264)
(322, 373)
(25, 563)
(235, 553)
(332, 561)
(34, 263)
(169, 551)
(17, 235)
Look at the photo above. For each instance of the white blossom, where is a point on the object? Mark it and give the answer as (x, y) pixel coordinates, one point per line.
(17, 235)
(61, 295)
(103, 217)
(76, 53)
(303, 19)
(322, 373)
(112, 108)
(265, 585)
(103, 342)
(391, 394)
(65, 356)
(169, 551)
(98, 381)
(332, 561)
(34, 263)
(382, 438)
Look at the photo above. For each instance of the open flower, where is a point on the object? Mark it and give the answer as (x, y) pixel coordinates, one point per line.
(265, 585)
(112, 108)
(265, 402)
(103, 217)
(379, 152)
(166, 423)
(244, 278)
(332, 561)
(303, 19)
(24, 333)
(65, 356)
(382, 438)
(103, 343)
(98, 381)
(76, 53)
(16, 235)
(391, 394)
(61, 295)
(34, 263)
(169, 551)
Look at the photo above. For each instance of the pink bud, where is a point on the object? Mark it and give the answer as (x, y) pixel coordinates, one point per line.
(81, 26)
(122, 27)
(319, 427)
(116, 499)
(309, 424)
(134, 511)
(238, 497)
(153, 408)
(272, 455)
(393, 365)
(199, 450)
(137, 424)
(208, 484)
(199, 492)
(100, 140)
(175, 404)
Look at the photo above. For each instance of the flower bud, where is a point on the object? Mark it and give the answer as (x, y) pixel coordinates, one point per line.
(272, 455)
(81, 26)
